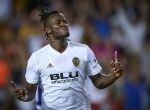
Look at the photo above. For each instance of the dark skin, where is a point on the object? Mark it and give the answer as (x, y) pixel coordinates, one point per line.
(101, 80)
(57, 30)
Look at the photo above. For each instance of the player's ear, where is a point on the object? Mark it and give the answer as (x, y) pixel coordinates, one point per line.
(48, 30)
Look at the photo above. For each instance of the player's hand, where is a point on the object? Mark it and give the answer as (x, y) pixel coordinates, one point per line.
(20, 94)
(116, 66)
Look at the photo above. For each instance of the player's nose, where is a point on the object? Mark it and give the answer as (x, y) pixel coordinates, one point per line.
(63, 24)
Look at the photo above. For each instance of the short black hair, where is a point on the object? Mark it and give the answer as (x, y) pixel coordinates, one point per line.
(45, 14)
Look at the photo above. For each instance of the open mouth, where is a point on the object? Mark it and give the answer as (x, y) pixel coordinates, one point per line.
(64, 31)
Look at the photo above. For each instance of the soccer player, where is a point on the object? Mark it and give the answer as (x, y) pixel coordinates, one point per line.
(61, 68)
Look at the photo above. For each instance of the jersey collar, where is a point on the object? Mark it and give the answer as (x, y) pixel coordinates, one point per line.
(56, 52)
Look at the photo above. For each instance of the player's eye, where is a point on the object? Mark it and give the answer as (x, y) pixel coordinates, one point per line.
(65, 21)
(58, 22)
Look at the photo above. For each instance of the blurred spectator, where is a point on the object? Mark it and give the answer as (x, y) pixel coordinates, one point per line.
(101, 22)
(4, 81)
(131, 26)
(4, 73)
(145, 63)
(76, 31)
(134, 88)
(96, 96)
(30, 32)
(5, 9)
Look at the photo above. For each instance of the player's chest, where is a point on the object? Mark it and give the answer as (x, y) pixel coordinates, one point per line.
(63, 65)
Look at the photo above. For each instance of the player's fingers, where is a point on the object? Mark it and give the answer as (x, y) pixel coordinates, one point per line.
(24, 92)
(119, 71)
(116, 57)
(19, 93)
(19, 96)
(119, 68)
(13, 85)
(112, 63)
(117, 64)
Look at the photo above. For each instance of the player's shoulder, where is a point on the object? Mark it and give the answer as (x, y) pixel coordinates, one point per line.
(76, 44)
(41, 51)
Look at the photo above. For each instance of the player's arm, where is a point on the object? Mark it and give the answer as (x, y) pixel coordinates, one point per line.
(26, 94)
(30, 82)
(102, 80)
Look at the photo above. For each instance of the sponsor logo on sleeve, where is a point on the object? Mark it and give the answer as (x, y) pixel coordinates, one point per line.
(94, 64)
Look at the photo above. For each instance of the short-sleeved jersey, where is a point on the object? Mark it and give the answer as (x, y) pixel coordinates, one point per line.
(62, 75)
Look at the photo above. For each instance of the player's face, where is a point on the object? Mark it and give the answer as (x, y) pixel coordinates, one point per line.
(58, 26)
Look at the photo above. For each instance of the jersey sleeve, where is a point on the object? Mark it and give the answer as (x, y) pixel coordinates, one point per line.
(93, 66)
(32, 74)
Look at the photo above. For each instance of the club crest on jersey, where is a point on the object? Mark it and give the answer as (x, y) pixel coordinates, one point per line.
(76, 61)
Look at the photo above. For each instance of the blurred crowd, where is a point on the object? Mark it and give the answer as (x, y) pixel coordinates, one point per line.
(104, 25)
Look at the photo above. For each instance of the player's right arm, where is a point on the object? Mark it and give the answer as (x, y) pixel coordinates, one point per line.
(26, 94)
(31, 81)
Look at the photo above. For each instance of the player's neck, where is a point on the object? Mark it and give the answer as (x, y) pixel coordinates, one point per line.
(58, 45)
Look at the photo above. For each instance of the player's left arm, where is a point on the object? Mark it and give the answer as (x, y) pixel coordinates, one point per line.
(102, 80)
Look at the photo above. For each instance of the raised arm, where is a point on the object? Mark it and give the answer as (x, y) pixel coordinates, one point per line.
(102, 80)
(26, 94)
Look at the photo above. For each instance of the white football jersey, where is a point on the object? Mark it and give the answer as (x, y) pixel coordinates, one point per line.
(62, 75)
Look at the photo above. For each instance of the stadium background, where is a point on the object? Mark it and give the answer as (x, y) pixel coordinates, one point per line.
(104, 25)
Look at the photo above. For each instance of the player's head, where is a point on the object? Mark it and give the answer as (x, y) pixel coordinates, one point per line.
(55, 24)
